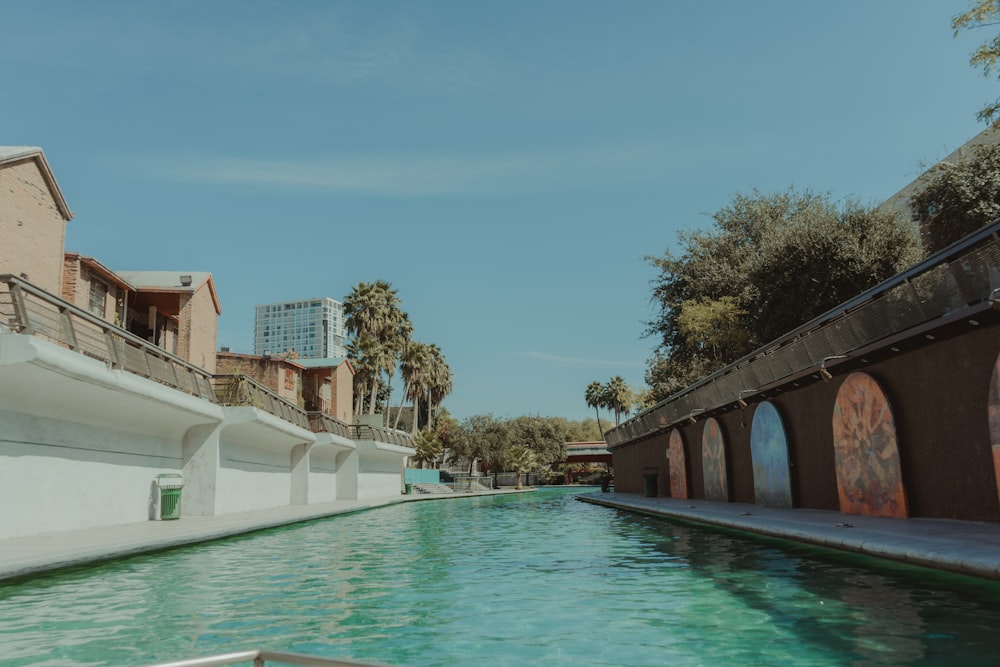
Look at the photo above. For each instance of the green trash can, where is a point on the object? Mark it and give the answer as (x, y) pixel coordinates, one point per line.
(409, 488)
(170, 485)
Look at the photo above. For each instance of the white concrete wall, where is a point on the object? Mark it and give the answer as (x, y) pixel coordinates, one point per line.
(57, 475)
(96, 465)
(251, 478)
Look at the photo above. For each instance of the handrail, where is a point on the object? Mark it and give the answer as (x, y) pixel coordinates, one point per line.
(237, 389)
(32, 311)
(260, 658)
(321, 422)
(956, 280)
(390, 435)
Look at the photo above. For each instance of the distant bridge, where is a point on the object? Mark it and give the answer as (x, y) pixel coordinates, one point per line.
(588, 452)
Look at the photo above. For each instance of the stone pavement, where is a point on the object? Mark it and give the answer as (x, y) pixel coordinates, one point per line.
(965, 547)
(22, 556)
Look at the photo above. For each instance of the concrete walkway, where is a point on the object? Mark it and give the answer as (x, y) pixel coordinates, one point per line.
(22, 556)
(966, 547)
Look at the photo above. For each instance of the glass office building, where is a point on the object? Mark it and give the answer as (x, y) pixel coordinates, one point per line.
(314, 329)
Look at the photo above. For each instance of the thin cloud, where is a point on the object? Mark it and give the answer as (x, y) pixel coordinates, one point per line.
(415, 175)
(580, 361)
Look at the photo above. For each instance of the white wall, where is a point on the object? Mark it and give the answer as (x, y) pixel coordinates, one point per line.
(57, 475)
(251, 478)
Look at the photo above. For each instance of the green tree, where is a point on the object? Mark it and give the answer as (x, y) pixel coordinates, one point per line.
(523, 460)
(543, 436)
(981, 14)
(766, 265)
(618, 397)
(595, 399)
(428, 446)
(414, 368)
(957, 199)
(373, 315)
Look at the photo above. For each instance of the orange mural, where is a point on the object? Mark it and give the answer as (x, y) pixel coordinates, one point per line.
(869, 478)
(713, 461)
(678, 468)
(994, 417)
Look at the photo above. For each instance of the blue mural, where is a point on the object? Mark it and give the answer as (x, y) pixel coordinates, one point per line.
(772, 484)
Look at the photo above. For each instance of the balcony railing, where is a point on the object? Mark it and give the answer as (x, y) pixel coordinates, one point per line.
(238, 389)
(957, 281)
(321, 422)
(27, 309)
(390, 435)
(30, 310)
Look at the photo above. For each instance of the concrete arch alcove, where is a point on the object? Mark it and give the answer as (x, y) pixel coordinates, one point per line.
(713, 457)
(677, 464)
(866, 451)
(772, 483)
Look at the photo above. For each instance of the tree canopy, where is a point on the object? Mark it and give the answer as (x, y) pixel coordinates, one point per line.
(768, 263)
(957, 199)
(981, 14)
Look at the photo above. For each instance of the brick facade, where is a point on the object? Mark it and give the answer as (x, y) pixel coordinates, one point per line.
(32, 223)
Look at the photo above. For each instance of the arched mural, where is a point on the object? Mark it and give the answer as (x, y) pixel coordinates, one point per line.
(678, 466)
(772, 484)
(713, 461)
(994, 416)
(866, 453)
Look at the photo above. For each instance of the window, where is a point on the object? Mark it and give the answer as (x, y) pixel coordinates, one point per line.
(98, 297)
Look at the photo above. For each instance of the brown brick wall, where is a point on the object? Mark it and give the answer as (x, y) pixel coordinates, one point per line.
(32, 230)
(939, 396)
(198, 328)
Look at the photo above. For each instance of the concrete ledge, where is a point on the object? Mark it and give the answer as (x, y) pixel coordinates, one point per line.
(963, 547)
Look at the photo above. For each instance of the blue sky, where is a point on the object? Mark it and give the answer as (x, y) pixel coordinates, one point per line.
(505, 165)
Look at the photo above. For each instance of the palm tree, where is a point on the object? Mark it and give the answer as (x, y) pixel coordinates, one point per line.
(439, 382)
(595, 399)
(414, 367)
(522, 459)
(373, 315)
(428, 447)
(619, 397)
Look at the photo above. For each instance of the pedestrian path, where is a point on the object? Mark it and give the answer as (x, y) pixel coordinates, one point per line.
(965, 547)
(22, 556)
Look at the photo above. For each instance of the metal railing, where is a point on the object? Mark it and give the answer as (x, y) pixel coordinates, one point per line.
(238, 389)
(260, 658)
(27, 309)
(321, 422)
(30, 310)
(957, 281)
(390, 435)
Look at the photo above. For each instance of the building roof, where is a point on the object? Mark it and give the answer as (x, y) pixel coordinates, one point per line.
(172, 281)
(331, 362)
(10, 154)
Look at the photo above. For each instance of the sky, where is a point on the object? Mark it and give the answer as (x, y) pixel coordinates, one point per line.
(507, 166)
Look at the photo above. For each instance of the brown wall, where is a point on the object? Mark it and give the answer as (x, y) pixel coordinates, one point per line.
(938, 393)
(32, 229)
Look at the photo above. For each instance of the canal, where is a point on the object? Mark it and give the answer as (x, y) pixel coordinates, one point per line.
(524, 579)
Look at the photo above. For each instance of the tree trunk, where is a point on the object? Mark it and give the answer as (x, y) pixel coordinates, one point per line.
(598, 413)
(416, 405)
(399, 410)
(371, 401)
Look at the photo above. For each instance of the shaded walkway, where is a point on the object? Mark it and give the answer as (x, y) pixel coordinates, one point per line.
(965, 547)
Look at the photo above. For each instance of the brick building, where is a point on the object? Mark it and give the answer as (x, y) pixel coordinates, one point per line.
(33, 217)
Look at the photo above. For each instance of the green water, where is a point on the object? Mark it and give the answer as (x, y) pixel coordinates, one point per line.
(531, 579)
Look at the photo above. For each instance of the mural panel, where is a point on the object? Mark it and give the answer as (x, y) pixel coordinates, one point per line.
(994, 416)
(678, 466)
(713, 454)
(772, 484)
(869, 478)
